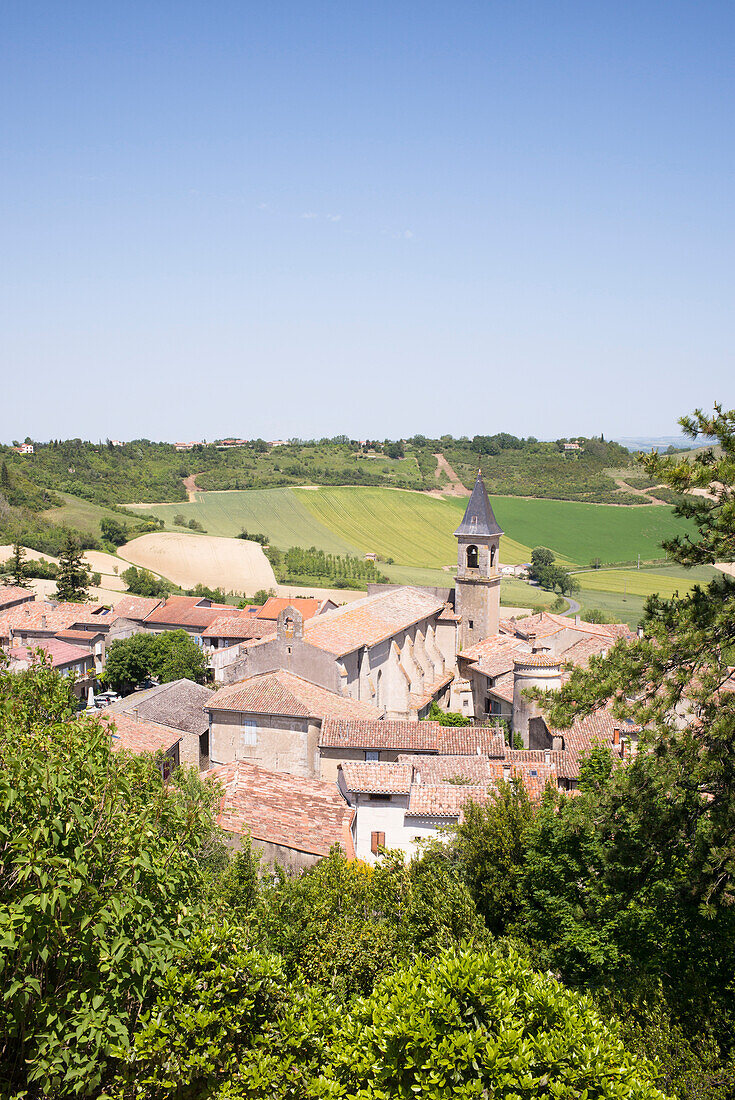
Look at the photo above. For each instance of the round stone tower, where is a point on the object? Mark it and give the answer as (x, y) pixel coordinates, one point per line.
(532, 670)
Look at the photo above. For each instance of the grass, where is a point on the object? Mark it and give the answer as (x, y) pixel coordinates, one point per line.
(581, 532)
(644, 582)
(82, 514)
(416, 531)
(517, 593)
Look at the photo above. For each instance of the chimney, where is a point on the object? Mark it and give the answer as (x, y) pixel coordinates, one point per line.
(577, 619)
(640, 632)
(547, 756)
(506, 773)
(532, 640)
(43, 620)
(623, 744)
(616, 735)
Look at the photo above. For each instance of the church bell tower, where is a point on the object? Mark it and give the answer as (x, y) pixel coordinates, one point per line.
(477, 598)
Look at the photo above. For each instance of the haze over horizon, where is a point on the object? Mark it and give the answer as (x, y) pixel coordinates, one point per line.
(382, 220)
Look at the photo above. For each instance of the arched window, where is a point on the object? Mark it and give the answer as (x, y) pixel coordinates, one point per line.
(472, 557)
(493, 550)
(288, 625)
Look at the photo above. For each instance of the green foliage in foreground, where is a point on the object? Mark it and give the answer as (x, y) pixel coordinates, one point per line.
(468, 1023)
(100, 869)
(171, 655)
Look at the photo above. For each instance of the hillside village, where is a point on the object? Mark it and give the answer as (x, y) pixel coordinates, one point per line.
(317, 721)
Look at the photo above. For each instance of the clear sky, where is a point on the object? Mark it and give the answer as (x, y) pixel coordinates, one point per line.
(377, 218)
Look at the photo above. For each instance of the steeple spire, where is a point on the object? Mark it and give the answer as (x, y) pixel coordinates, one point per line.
(479, 518)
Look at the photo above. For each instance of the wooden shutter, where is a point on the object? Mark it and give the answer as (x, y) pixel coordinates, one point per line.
(377, 840)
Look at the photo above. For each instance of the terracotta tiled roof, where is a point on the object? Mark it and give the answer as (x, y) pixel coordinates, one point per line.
(370, 620)
(503, 687)
(135, 607)
(308, 606)
(544, 625)
(60, 653)
(449, 615)
(494, 655)
(42, 616)
(377, 778)
(444, 799)
(537, 660)
(281, 692)
(13, 594)
(596, 728)
(306, 815)
(186, 611)
(138, 736)
(532, 768)
(440, 769)
(412, 737)
(238, 626)
(79, 635)
(430, 692)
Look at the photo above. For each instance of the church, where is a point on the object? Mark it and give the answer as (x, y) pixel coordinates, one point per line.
(402, 648)
(397, 648)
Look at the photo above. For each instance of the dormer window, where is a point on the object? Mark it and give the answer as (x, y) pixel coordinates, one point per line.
(472, 557)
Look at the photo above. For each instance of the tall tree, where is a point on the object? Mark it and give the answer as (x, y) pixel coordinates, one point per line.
(73, 580)
(19, 567)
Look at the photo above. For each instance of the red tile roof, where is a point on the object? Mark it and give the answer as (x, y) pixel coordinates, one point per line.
(370, 620)
(308, 606)
(60, 653)
(376, 778)
(186, 611)
(135, 607)
(411, 736)
(281, 692)
(444, 799)
(12, 594)
(42, 616)
(306, 815)
(138, 736)
(238, 626)
(79, 635)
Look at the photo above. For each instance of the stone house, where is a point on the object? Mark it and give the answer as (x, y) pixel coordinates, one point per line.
(274, 720)
(177, 707)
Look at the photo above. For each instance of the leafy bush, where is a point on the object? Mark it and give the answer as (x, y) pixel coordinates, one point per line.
(100, 878)
(479, 1023)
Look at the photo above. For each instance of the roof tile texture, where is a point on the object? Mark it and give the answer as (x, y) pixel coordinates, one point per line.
(283, 693)
(370, 620)
(306, 815)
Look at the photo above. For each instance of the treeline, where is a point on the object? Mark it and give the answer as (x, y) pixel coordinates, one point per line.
(299, 566)
(146, 471)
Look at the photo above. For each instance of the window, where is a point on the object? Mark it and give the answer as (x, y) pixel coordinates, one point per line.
(248, 733)
(377, 840)
(471, 624)
(372, 756)
(472, 557)
(493, 550)
(465, 704)
(379, 798)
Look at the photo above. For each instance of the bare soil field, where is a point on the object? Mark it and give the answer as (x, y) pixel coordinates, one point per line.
(45, 590)
(232, 564)
(98, 562)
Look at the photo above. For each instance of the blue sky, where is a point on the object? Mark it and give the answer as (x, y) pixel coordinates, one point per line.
(374, 218)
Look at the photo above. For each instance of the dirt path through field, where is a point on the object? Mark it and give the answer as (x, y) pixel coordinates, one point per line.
(190, 484)
(456, 488)
(636, 492)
